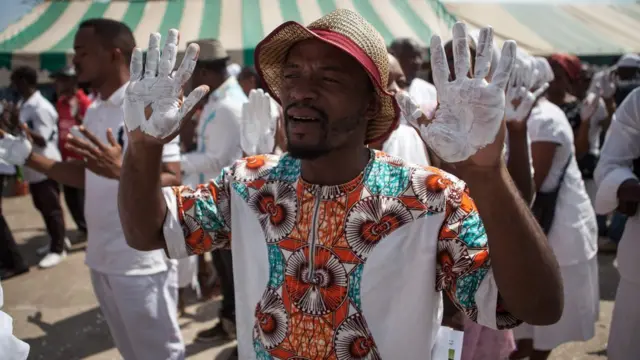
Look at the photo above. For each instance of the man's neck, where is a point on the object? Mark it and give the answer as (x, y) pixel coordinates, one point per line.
(336, 168)
(27, 93)
(112, 84)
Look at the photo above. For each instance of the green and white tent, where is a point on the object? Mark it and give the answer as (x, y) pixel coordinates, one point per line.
(44, 37)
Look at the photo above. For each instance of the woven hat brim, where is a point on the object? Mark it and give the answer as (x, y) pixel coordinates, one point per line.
(269, 58)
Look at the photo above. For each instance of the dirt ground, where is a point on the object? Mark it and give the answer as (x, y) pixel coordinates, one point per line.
(56, 312)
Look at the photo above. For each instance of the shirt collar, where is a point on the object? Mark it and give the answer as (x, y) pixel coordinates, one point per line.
(116, 99)
(32, 99)
(222, 90)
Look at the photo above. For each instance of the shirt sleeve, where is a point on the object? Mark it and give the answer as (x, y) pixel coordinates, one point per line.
(621, 147)
(198, 220)
(221, 144)
(463, 269)
(545, 129)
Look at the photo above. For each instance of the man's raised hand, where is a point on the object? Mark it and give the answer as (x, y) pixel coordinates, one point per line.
(154, 107)
(471, 110)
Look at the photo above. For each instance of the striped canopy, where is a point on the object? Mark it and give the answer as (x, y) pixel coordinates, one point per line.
(581, 29)
(44, 37)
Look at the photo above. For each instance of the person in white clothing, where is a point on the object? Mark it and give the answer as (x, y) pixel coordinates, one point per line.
(404, 141)
(137, 291)
(218, 142)
(617, 177)
(39, 119)
(571, 231)
(411, 57)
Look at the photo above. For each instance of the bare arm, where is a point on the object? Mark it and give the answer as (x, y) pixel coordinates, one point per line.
(524, 266)
(582, 139)
(140, 201)
(171, 174)
(542, 153)
(70, 173)
(519, 164)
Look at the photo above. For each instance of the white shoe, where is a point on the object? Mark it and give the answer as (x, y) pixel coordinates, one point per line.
(43, 250)
(52, 259)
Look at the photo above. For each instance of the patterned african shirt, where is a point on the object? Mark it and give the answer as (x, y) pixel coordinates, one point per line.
(353, 271)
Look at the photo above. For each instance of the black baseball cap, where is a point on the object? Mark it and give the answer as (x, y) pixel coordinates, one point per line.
(67, 71)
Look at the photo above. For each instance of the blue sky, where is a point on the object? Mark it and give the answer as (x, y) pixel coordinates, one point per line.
(15, 9)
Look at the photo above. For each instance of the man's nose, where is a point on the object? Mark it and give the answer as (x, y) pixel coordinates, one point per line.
(303, 90)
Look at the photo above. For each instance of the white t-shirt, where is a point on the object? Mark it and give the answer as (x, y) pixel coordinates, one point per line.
(218, 134)
(6, 168)
(621, 147)
(41, 117)
(406, 144)
(107, 250)
(574, 233)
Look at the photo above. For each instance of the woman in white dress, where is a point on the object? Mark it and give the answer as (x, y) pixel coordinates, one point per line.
(573, 232)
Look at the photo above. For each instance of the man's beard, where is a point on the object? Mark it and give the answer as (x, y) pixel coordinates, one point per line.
(308, 152)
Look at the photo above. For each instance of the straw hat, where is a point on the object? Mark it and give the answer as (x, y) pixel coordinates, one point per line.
(352, 34)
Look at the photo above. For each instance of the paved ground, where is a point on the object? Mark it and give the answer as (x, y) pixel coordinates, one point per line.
(56, 312)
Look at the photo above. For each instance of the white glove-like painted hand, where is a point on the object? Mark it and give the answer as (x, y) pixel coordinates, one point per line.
(608, 84)
(160, 89)
(256, 124)
(471, 110)
(520, 99)
(410, 110)
(590, 104)
(14, 149)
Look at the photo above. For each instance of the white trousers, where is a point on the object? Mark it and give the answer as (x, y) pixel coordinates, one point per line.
(141, 312)
(624, 337)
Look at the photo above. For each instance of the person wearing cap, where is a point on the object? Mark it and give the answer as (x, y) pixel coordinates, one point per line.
(71, 106)
(218, 145)
(341, 251)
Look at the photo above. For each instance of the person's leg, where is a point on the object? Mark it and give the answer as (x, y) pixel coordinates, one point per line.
(616, 227)
(11, 260)
(74, 198)
(109, 308)
(225, 328)
(46, 198)
(148, 304)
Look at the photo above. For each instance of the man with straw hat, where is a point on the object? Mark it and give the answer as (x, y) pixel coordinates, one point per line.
(341, 251)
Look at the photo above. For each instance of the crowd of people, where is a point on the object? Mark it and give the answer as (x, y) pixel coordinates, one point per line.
(372, 205)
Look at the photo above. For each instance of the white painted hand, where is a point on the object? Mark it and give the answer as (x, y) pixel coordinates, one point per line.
(14, 149)
(590, 104)
(160, 89)
(520, 99)
(608, 84)
(410, 110)
(257, 123)
(471, 110)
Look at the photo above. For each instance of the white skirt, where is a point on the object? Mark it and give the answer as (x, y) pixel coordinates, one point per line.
(581, 309)
(624, 337)
(188, 271)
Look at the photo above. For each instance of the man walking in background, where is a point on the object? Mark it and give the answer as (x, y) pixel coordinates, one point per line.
(72, 104)
(40, 121)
